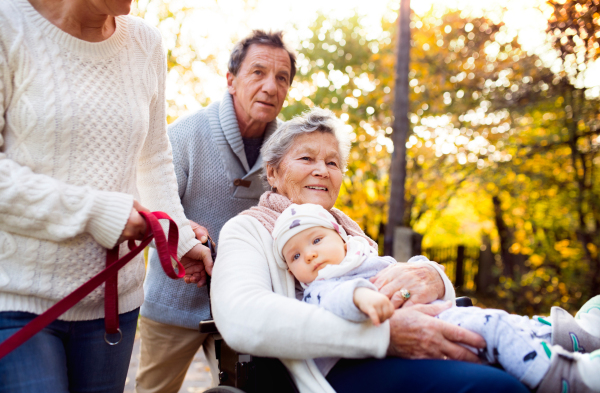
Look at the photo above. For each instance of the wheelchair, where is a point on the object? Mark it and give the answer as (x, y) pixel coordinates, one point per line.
(245, 373)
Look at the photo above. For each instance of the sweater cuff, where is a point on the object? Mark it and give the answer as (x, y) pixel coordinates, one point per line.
(384, 343)
(108, 217)
(449, 293)
(187, 240)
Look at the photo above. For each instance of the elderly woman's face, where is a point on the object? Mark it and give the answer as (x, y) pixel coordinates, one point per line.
(310, 172)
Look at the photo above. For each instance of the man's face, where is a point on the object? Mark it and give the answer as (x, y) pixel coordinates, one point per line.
(261, 84)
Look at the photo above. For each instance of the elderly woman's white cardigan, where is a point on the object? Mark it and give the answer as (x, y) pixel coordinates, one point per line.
(255, 308)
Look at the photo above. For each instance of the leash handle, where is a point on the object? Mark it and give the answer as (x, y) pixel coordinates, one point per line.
(166, 249)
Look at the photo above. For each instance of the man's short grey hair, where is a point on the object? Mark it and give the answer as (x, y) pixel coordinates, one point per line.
(316, 119)
(259, 37)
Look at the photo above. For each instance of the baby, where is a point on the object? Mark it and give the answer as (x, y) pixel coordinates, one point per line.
(334, 270)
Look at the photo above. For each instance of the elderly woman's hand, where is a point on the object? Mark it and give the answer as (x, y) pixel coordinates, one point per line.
(421, 279)
(415, 334)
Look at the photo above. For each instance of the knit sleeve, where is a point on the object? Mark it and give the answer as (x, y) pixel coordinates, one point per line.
(253, 319)
(42, 207)
(157, 183)
(181, 156)
(337, 296)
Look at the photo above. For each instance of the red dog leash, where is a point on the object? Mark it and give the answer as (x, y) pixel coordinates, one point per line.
(166, 250)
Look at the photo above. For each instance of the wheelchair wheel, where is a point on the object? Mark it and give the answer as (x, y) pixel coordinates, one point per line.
(224, 389)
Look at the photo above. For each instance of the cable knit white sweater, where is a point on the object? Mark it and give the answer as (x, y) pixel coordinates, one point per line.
(83, 132)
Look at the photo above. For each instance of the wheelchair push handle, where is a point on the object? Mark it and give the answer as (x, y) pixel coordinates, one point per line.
(208, 325)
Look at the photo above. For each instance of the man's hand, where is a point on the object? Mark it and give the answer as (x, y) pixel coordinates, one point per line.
(421, 279)
(200, 232)
(135, 228)
(197, 264)
(376, 305)
(415, 334)
(195, 272)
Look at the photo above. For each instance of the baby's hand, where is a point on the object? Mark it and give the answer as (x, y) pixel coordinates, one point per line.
(376, 305)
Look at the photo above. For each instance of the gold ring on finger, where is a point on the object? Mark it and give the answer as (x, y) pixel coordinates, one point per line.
(405, 293)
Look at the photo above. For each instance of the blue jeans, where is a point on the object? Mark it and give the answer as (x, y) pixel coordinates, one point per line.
(394, 375)
(66, 356)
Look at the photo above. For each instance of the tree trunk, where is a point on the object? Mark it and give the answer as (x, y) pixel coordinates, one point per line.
(459, 281)
(485, 280)
(505, 238)
(578, 161)
(400, 127)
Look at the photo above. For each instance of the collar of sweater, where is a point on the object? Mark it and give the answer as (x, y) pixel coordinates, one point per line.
(228, 123)
(103, 49)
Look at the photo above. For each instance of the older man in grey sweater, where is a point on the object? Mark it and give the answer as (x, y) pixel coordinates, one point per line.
(216, 153)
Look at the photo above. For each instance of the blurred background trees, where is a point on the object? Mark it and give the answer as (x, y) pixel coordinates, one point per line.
(501, 141)
(502, 154)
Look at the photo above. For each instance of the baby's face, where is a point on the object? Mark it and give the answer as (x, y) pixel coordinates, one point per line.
(311, 250)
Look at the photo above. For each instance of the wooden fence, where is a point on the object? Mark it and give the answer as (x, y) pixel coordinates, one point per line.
(461, 264)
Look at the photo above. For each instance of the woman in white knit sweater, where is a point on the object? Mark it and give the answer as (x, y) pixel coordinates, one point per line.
(82, 133)
(254, 298)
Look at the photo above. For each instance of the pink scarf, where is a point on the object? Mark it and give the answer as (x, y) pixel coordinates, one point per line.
(271, 205)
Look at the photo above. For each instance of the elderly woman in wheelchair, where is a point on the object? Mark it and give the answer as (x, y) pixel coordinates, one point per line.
(255, 300)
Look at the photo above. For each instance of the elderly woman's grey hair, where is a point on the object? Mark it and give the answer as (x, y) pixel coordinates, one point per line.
(315, 119)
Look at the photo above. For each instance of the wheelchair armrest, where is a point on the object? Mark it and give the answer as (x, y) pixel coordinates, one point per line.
(464, 301)
(208, 326)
